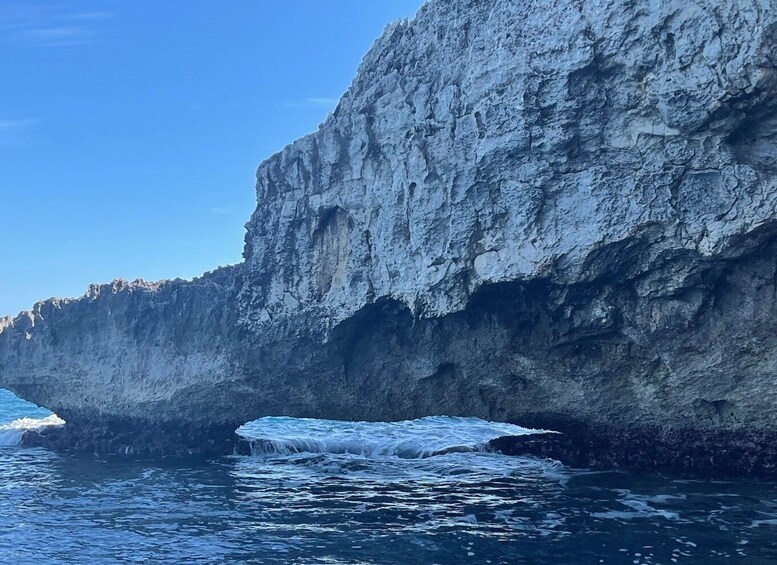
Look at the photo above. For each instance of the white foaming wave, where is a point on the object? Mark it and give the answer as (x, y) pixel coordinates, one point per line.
(11, 434)
(411, 439)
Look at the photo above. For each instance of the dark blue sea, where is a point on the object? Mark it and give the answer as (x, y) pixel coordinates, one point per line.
(330, 492)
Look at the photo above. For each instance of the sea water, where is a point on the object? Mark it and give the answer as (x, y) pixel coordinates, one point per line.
(318, 491)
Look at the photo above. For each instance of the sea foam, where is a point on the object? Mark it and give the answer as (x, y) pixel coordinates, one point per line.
(11, 434)
(412, 439)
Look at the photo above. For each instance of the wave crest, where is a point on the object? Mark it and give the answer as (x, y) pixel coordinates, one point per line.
(412, 439)
(11, 434)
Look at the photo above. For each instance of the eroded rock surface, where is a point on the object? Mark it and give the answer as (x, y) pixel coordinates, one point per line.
(546, 213)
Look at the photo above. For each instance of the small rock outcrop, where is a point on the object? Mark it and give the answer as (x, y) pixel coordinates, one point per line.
(556, 214)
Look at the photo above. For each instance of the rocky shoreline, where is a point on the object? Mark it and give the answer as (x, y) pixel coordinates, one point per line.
(518, 211)
(688, 451)
(137, 438)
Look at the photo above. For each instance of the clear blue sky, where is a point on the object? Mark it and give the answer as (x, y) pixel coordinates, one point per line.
(130, 130)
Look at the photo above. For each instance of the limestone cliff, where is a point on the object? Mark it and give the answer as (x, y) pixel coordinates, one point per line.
(554, 213)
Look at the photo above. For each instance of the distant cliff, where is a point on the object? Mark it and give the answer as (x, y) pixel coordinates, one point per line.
(560, 214)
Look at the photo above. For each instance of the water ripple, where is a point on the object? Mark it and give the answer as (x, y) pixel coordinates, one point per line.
(370, 493)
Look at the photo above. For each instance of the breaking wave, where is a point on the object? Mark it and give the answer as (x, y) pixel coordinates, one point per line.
(411, 439)
(11, 434)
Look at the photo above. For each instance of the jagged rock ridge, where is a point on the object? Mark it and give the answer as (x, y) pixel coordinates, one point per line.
(553, 214)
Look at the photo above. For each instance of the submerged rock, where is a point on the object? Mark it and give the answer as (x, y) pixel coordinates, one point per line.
(550, 214)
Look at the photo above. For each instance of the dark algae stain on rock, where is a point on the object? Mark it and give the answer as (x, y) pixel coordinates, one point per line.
(700, 453)
(529, 212)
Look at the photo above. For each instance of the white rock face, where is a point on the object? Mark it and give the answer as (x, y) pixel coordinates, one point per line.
(523, 210)
(494, 141)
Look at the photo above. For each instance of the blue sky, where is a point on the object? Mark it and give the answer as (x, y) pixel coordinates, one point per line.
(130, 130)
